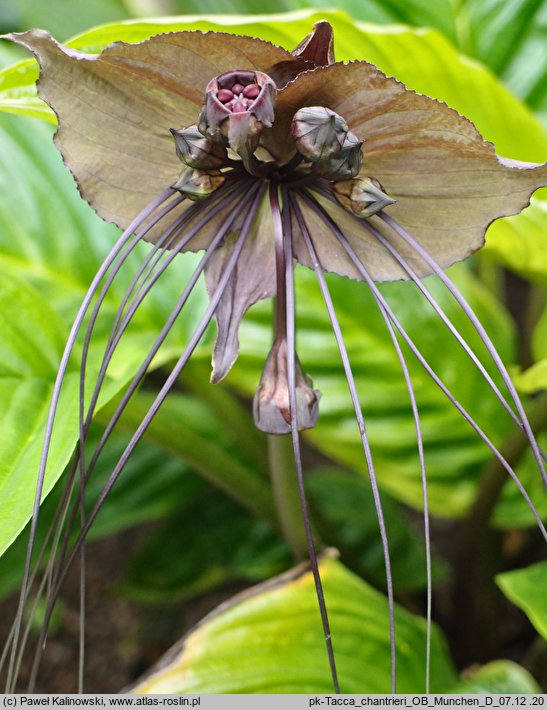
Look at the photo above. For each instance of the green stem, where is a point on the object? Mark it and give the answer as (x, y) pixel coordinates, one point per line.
(285, 492)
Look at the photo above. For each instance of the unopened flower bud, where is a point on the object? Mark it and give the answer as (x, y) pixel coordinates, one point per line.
(238, 106)
(197, 151)
(271, 407)
(347, 163)
(197, 184)
(318, 132)
(362, 196)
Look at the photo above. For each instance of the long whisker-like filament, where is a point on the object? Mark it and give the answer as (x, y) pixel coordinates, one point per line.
(146, 288)
(55, 532)
(142, 371)
(107, 263)
(221, 234)
(423, 362)
(155, 347)
(157, 344)
(442, 315)
(525, 424)
(285, 267)
(171, 379)
(362, 430)
(516, 417)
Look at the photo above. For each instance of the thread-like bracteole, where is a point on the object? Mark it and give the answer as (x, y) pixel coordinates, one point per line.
(155, 347)
(144, 366)
(366, 224)
(107, 263)
(283, 245)
(423, 362)
(362, 432)
(524, 424)
(178, 368)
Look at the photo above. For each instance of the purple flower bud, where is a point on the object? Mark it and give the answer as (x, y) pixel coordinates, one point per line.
(197, 151)
(271, 408)
(197, 184)
(347, 163)
(362, 196)
(318, 132)
(238, 106)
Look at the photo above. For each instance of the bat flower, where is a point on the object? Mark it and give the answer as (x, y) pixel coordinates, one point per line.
(259, 158)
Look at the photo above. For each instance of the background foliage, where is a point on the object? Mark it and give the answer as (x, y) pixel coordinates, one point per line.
(201, 480)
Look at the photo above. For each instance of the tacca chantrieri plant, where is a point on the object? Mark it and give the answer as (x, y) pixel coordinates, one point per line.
(278, 157)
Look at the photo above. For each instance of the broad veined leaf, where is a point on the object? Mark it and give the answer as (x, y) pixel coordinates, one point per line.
(29, 351)
(50, 239)
(64, 19)
(185, 428)
(498, 677)
(219, 543)
(344, 513)
(249, 550)
(527, 588)
(520, 242)
(269, 640)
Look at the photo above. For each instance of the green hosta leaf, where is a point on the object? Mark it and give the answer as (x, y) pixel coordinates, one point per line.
(520, 242)
(344, 513)
(30, 348)
(63, 19)
(269, 640)
(218, 543)
(249, 550)
(51, 240)
(527, 588)
(498, 677)
(187, 429)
